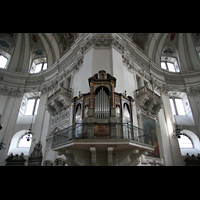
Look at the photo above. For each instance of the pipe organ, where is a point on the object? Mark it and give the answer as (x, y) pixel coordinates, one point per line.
(102, 104)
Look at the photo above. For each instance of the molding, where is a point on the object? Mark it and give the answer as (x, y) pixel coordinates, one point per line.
(133, 58)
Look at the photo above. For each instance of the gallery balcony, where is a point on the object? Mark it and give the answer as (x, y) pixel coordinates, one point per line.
(102, 139)
(148, 100)
(59, 100)
(84, 131)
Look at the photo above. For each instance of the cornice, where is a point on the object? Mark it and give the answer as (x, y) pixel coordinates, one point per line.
(133, 58)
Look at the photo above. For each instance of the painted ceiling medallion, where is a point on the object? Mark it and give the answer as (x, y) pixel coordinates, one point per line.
(172, 36)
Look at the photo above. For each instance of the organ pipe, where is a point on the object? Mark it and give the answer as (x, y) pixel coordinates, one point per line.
(102, 105)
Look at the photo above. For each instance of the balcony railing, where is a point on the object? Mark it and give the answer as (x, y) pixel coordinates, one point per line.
(102, 131)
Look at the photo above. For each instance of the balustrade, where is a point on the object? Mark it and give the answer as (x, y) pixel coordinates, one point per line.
(102, 131)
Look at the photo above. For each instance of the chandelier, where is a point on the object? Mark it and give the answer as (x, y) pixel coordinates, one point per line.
(29, 134)
(177, 132)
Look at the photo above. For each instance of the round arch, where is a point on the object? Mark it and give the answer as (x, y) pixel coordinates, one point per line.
(13, 148)
(104, 88)
(196, 143)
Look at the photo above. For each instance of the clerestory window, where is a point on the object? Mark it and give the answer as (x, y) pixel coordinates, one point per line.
(177, 106)
(32, 106)
(170, 64)
(185, 142)
(38, 67)
(3, 61)
(25, 141)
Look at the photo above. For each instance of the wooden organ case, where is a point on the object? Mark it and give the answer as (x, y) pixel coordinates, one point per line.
(102, 105)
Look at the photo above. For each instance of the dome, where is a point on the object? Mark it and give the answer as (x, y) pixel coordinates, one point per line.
(185, 47)
(22, 49)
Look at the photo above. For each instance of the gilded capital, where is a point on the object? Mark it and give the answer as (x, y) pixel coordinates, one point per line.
(112, 84)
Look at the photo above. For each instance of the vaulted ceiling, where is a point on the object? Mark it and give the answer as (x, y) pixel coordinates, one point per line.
(25, 47)
(184, 46)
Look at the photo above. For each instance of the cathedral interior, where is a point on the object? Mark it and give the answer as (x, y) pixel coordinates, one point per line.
(99, 99)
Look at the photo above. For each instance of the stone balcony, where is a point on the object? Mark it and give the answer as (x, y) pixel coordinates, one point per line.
(59, 100)
(149, 101)
(107, 144)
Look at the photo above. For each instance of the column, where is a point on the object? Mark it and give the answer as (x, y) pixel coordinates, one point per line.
(91, 108)
(113, 110)
(131, 112)
(91, 95)
(112, 95)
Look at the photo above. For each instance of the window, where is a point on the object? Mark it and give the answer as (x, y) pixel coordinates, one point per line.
(185, 142)
(180, 107)
(177, 107)
(25, 141)
(19, 143)
(170, 64)
(3, 62)
(38, 67)
(173, 106)
(32, 106)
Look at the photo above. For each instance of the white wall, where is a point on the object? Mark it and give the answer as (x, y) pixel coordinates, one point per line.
(101, 60)
(172, 144)
(80, 78)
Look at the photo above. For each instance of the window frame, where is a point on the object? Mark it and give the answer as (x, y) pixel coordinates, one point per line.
(175, 106)
(172, 60)
(5, 67)
(26, 139)
(42, 67)
(34, 107)
(189, 139)
(167, 68)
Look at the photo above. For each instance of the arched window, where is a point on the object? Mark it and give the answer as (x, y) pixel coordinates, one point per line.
(189, 143)
(20, 142)
(185, 142)
(78, 111)
(25, 141)
(126, 110)
(3, 61)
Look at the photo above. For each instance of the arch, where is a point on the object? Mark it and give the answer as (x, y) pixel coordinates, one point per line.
(126, 112)
(193, 137)
(185, 141)
(13, 148)
(102, 102)
(104, 88)
(195, 141)
(78, 111)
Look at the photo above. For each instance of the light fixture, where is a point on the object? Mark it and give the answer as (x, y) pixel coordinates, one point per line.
(29, 133)
(177, 132)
